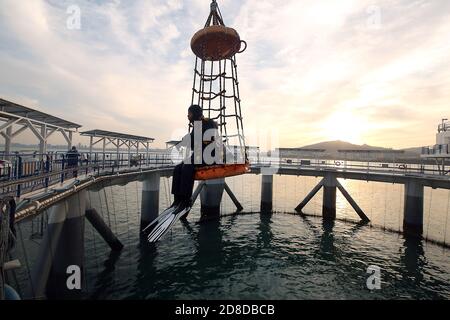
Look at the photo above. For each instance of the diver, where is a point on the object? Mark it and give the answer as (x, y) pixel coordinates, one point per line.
(183, 174)
(73, 157)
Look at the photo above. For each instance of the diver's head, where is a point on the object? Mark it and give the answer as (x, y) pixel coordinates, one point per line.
(195, 113)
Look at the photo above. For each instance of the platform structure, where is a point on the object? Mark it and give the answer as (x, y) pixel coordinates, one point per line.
(16, 119)
(118, 140)
(216, 86)
(440, 152)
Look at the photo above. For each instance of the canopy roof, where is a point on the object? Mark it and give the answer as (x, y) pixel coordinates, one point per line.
(116, 135)
(11, 110)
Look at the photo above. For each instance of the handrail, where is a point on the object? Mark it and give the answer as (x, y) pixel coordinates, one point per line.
(5, 229)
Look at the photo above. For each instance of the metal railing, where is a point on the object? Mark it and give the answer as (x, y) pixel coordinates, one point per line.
(394, 167)
(444, 126)
(23, 173)
(438, 149)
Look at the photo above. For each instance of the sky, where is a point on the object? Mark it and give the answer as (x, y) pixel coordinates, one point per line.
(363, 71)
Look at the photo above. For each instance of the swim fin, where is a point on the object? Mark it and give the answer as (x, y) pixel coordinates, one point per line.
(166, 223)
(160, 217)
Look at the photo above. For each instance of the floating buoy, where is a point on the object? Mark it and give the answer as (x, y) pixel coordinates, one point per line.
(216, 46)
(221, 171)
(216, 43)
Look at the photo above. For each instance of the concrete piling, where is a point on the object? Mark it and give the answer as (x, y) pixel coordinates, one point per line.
(266, 193)
(211, 197)
(413, 208)
(150, 199)
(47, 250)
(329, 197)
(69, 256)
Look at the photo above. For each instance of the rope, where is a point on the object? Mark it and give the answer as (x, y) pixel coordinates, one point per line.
(16, 281)
(446, 218)
(82, 232)
(251, 197)
(93, 236)
(295, 188)
(114, 206)
(128, 219)
(27, 263)
(429, 213)
(4, 242)
(385, 206)
(167, 189)
(137, 197)
(107, 207)
(399, 211)
(211, 93)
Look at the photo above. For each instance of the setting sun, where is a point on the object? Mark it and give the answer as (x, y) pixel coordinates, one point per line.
(345, 126)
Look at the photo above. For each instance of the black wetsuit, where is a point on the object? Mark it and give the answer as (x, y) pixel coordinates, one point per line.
(72, 158)
(183, 174)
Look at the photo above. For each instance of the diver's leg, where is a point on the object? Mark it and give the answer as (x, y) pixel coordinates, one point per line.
(187, 180)
(176, 183)
(187, 186)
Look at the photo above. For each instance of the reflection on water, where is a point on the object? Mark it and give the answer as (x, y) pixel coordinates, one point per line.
(248, 257)
(261, 256)
(413, 260)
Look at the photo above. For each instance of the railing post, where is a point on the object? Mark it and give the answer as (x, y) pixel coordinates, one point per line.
(14, 169)
(47, 170)
(87, 161)
(19, 175)
(96, 163)
(63, 165)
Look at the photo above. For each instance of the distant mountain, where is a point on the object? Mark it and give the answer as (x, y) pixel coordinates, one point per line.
(334, 146)
(331, 151)
(415, 150)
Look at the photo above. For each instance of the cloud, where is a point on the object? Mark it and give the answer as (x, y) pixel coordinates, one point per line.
(130, 67)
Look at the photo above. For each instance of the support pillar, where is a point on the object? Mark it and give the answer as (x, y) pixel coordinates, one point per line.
(329, 196)
(308, 198)
(41, 270)
(150, 199)
(233, 198)
(352, 202)
(43, 141)
(266, 193)
(91, 145)
(102, 228)
(197, 191)
(8, 142)
(70, 142)
(413, 208)
(63, 280)
(211, 197)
